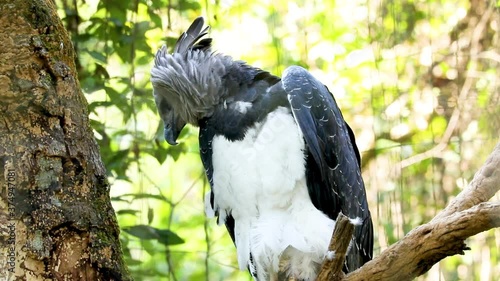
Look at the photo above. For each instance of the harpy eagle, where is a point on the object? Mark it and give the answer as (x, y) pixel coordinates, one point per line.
(280, 159)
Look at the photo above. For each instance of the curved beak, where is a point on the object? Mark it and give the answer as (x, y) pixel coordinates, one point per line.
(173, 127)
(173, 124)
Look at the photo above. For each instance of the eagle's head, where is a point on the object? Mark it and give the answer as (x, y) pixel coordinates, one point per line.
(187, 83)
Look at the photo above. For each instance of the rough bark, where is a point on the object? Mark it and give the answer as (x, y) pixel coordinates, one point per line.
(56, 219)
(331, 269)
(465, 216)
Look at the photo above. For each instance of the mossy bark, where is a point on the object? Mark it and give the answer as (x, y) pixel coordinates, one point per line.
(56, 219)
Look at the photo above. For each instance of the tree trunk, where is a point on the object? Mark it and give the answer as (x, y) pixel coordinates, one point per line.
(56, 219)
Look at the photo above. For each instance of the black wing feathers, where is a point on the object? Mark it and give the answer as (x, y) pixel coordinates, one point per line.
(332, 158)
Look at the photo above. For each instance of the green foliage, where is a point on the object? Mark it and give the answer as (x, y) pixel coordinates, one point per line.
(421, 93)
(146, 232)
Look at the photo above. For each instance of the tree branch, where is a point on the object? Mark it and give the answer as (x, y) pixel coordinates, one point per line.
(339, 243)
(426, 245)
(484, 185)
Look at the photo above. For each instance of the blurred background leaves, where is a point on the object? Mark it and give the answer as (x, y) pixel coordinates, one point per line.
(417, 80)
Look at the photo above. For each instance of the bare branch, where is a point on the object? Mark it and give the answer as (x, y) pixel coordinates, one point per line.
(426, 245)
(339, 243)
(482, 187)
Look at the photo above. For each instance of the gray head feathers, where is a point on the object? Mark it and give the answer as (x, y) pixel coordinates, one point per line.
(189, 80)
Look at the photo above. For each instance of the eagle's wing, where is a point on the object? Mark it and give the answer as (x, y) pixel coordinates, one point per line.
(333, 171)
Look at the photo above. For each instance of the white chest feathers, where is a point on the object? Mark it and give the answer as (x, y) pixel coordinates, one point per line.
(260, 181)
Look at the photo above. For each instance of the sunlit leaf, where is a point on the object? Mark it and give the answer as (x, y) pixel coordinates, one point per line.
(145, 196)
(132, 262)
(127, 212)
(99, 57)
(168, 237)
(144, 232)
(150, 215)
